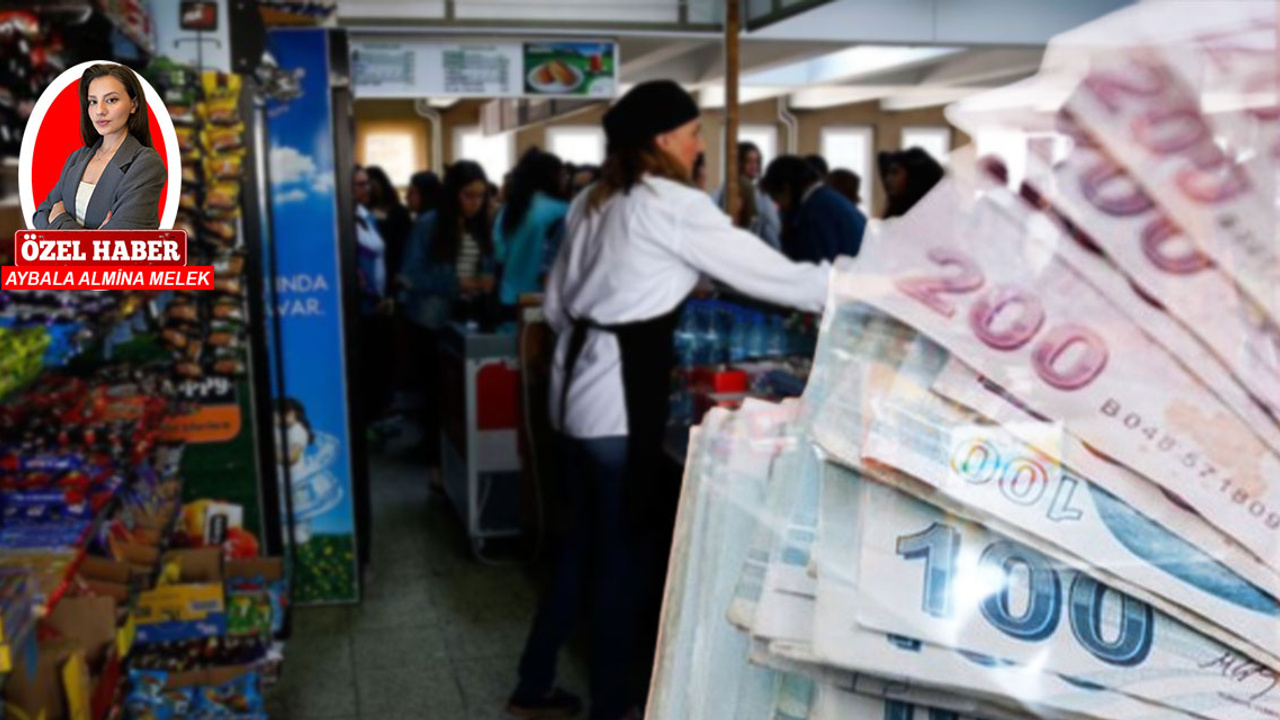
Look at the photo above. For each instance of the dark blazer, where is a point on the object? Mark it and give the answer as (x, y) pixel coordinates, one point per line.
(825, 225)
(129, 189)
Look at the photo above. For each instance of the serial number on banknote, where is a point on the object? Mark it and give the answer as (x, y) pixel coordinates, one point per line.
(1192, 460)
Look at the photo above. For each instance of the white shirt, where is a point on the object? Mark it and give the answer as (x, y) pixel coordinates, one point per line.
(83, 193)
(636, 258)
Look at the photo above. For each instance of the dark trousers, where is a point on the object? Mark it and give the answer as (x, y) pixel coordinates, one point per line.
(423, 378)
(596, 549)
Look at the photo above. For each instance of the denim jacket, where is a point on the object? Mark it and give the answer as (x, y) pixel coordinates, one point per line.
(431, 287)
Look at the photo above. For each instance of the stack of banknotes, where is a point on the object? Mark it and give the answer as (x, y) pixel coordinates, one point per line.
(1036, 470)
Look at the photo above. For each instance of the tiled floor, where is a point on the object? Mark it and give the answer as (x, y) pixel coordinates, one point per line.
(438, 634)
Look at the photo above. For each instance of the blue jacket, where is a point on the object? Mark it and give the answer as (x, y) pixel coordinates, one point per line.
(826, 225)
(523, 254)
(430, 287)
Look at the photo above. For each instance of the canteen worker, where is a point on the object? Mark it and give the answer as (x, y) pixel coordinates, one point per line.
(636, 243)
(114, 181)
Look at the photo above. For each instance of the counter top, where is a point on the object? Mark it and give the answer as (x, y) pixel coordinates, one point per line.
(457, 338)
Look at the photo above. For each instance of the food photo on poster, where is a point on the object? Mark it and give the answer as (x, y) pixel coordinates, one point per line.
(667, 361)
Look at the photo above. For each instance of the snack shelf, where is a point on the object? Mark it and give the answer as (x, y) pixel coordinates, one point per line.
(86, 9)
(101, 334)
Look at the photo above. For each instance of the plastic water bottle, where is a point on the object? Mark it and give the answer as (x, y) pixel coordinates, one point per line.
(756, 342)
(776, 340)
(709, 335)
(737, 335)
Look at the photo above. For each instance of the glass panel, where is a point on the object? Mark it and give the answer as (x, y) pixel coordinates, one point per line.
(492, 152)
(583, 145)
(851, 148)
(394, 152)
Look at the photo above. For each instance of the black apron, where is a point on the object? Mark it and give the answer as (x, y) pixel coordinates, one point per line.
(647, 351)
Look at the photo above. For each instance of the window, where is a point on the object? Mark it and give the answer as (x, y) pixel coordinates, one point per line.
(493, 152)
(394, 152)
(851, 148)
(764, 137)
(934, 140)
(577, 144)
(397, 146)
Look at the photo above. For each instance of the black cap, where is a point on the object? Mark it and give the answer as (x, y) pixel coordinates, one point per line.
(648, 110)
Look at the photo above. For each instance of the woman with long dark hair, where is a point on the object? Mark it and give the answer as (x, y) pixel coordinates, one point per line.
(113, 182)
(818, 222)
(530, 224)
(448, 262)
(392, 217)
(423, 196)
(636, 244)
(907, 175)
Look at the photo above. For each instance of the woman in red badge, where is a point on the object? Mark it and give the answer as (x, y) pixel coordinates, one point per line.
(636, 244)
(113, 182)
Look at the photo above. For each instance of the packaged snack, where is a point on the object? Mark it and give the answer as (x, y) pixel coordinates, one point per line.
(223, 197)
(188, 139)
(230, 367)
(222, 139)
(221, 111)
(237, 699)
(189, 201)
(231, 286)
(189, 370)
(223, 232)
(224, 339)
(220, 86)
(174, 338)
(190, 175)
(229, 265)
(182, 311)
(229, 309)
(148, 699)
(183, 114)
(224, 166)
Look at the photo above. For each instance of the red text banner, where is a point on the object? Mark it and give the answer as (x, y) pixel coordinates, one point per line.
(99, 248)
(107, 278)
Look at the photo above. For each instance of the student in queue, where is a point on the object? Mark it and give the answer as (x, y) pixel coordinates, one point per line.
(908, 175)
(532, 220)
(636, 244)
(819, 164)
(448, 260)
(375, 308)
(450, 255)
(819, 224)
(392, 217)
(751, 165)
(423, 195)
(847, 183)
(580, 176)
(113, 182)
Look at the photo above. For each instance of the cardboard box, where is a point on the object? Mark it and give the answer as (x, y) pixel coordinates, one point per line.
(72, 672)
(181, 612)
(107, 578)
(203, 565)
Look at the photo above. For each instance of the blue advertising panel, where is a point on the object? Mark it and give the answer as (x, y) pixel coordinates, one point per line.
(308, 301)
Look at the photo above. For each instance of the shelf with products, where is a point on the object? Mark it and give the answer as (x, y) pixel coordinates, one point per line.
(208, 332)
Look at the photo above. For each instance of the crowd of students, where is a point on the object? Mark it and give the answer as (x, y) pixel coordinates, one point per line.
(617, 249)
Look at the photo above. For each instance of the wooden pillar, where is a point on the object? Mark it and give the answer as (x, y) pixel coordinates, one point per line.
(732, 64)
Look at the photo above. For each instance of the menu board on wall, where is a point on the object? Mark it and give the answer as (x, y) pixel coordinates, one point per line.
(499, 68)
